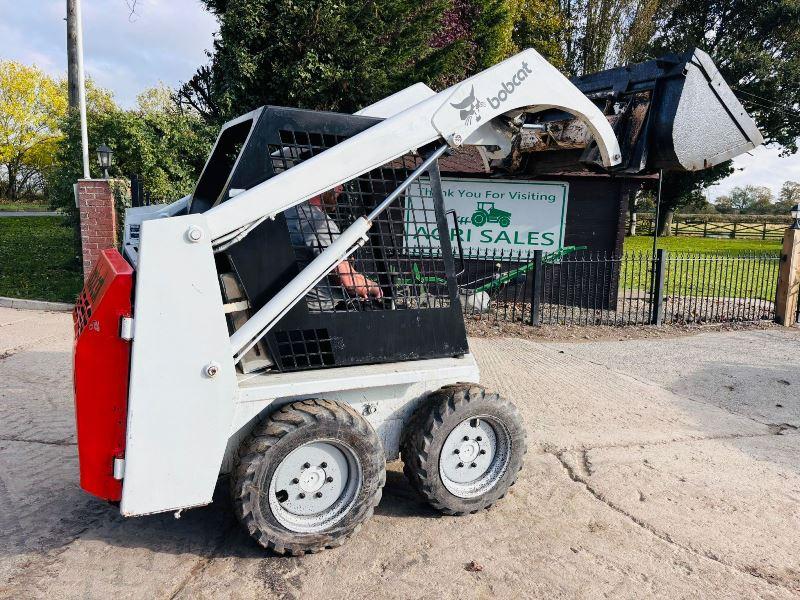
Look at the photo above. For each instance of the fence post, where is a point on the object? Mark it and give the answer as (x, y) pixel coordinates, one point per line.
(788, 279)
(536, 299)
(135, 190)
(657, 298)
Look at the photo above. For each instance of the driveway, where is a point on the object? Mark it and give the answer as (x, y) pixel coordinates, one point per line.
(657, 468)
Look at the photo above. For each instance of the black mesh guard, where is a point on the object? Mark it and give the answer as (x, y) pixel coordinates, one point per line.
(394, 299)
(403, 256)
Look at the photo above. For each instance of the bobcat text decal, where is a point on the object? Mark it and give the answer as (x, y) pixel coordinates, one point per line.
(470, 106)
(509, 86)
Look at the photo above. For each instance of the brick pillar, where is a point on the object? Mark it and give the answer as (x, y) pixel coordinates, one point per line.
(98, 220)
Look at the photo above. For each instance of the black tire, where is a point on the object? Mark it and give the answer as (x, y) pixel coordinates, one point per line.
(272, 440)
(434, 420)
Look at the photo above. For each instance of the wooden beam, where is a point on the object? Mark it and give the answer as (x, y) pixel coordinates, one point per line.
(788, 279)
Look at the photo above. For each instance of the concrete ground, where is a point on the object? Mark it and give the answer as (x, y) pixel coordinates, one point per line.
(658, 468)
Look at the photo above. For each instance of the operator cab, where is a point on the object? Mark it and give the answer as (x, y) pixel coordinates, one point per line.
(418, 314)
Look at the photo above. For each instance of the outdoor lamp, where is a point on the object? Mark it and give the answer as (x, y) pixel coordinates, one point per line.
(104, 154)
(795, 212)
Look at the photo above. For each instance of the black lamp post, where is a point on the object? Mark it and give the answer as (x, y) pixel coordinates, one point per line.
(104, 156)
(795, 212)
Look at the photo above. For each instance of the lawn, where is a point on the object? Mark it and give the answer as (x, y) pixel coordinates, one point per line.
(642, 243)
(37, 259)
(706, 267)
(8, 206)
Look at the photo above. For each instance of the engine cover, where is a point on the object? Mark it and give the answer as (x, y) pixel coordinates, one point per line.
(100, 368)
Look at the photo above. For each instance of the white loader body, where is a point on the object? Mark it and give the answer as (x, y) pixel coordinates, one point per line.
(187, 406)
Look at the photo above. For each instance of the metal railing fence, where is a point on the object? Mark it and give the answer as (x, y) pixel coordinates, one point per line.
(633, 288)
(140, 195)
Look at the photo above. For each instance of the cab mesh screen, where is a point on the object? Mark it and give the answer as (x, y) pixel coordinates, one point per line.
(400, 267)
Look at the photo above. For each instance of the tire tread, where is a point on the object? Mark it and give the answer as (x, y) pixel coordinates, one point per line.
(420, 466)
(265, 436)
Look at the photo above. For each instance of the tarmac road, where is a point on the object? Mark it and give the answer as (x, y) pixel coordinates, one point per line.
(657, 468)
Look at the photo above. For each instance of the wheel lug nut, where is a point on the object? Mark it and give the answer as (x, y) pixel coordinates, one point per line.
(460, 464)
(456, 451)
(329, 479)
(318, 494)
(466, 438)
(479, 438)
(301, 495)
(295, 481)
(482, 451)
(473, 465)
(307, 465)
(323, 465)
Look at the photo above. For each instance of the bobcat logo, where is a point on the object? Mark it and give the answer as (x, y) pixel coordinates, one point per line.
(469, 107)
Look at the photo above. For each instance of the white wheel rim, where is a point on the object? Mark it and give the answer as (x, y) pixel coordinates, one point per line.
(474, 456)
(315, 486)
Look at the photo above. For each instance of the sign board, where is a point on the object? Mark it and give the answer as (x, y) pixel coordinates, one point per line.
(493, 214)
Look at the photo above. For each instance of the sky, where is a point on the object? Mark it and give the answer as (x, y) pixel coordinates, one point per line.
(763, 166)
(166, 40)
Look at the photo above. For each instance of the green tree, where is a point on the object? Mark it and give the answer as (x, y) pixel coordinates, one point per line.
(749, 199)
(756, 46)
(599, 34)
(319, 54)
(686, 188)
(699, 204)
(164, 145)
(788, 197)
(540, 24)
(31, 107)
(493, 31)
(329, 55)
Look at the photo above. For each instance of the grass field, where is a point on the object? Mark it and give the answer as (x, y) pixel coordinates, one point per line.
(6, 206)
(725, 268)
(37, 259)
(702, 245)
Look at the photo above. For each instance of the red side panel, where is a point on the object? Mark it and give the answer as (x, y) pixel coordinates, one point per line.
(101, 364)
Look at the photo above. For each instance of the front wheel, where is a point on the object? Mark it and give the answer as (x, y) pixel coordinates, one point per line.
(463, 448)
(308, 477)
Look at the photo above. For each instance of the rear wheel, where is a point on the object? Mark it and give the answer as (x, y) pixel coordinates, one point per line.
(308, 477)
(463, 448)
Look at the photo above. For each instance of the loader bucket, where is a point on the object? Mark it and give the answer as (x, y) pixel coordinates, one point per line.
(675, 113)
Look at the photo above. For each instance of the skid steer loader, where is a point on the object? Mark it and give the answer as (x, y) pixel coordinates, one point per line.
(222, 340)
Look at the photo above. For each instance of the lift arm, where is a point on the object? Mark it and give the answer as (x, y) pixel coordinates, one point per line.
(462, 114)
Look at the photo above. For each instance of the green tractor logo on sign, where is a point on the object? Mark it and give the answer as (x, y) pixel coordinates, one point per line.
(487, 213)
